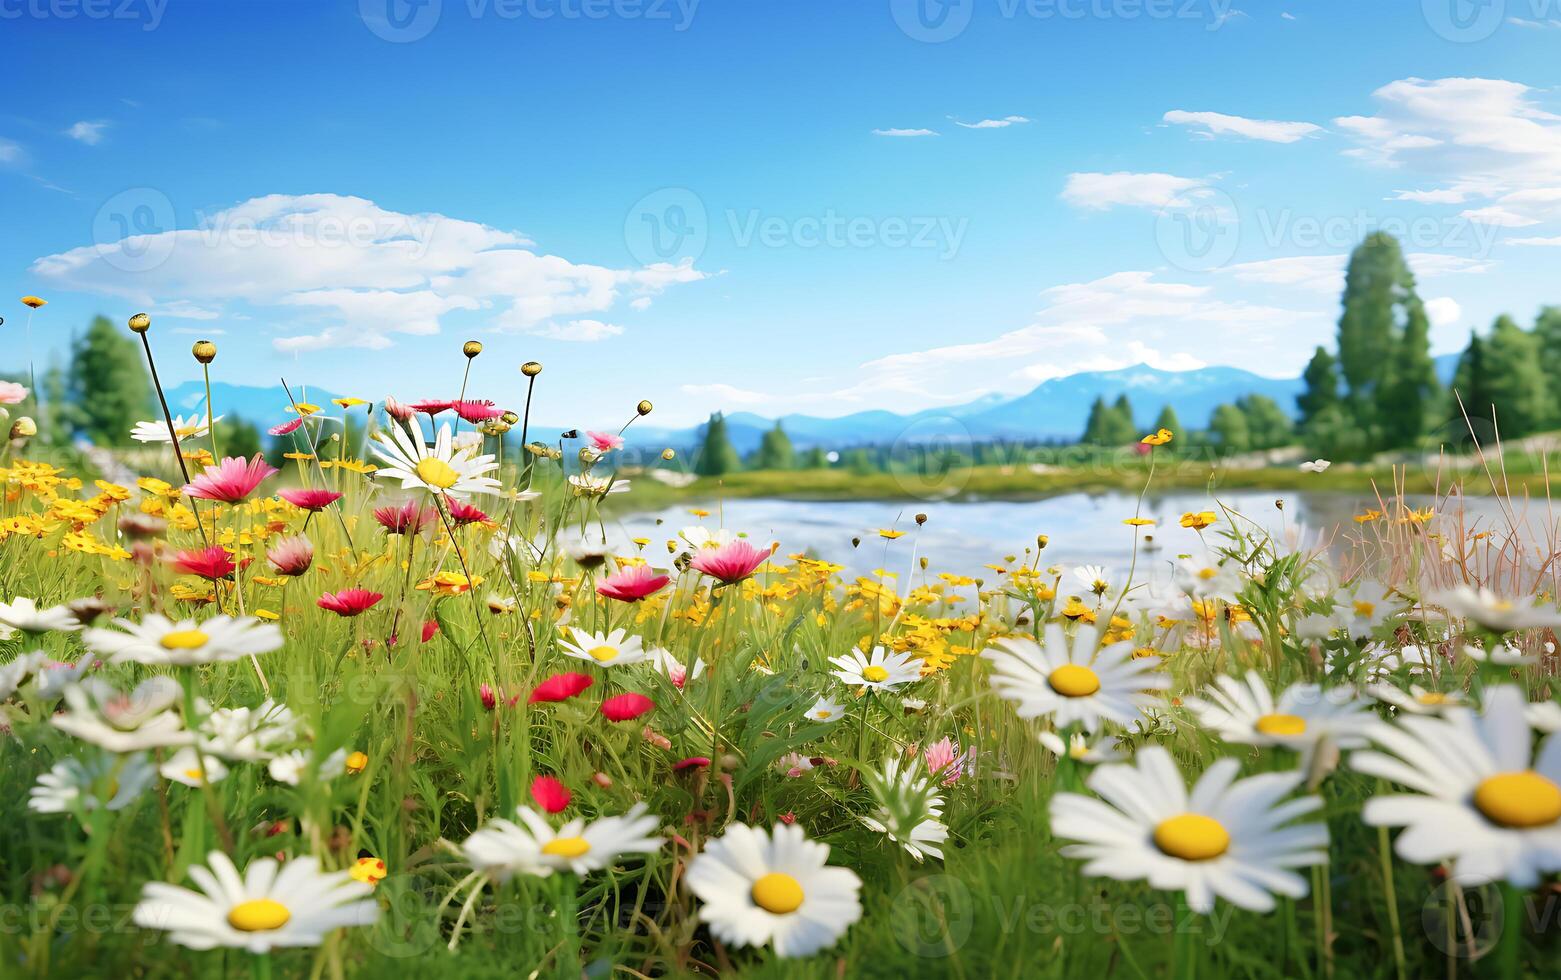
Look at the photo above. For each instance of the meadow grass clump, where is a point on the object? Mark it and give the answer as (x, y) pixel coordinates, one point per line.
(399, 709)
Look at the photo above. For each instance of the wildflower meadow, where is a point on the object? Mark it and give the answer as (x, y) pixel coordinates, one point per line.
(397, 708)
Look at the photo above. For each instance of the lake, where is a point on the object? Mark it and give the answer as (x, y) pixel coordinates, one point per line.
(964, 536)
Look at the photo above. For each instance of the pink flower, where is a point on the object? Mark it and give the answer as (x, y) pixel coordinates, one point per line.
(349, 602)
(287, 428)
(632, 583)
(604, 442)
(486, 695)
(945, 759)
(462, 514)
(291, 556)
(212, 563)
(477, 411)
(430, 628)
(626, 706)
(12, 393)
(559, 687)
(408, 518)
(432, 406)
(398, 411)
(550, 794)
(231, 480)
(315, 500)
(731, 562)
(690, 762)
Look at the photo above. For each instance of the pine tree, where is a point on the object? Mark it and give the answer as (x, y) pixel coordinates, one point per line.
(1096, 425)
(815, 459)
(775, 451)
(1514, 379)
(1168, 420)
(107, 384)
(1124, 430)
(1229, 428)
(1547, 331)
(1471, 383)
(1379, 302)
(1322, 386)
(1411, 391)
(716, 456)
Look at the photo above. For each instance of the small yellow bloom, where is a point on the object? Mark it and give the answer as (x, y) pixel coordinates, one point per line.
(303, 408)
(890, 533)
(1200, 520)
(1157, 438)
(348, 402)
(1139, 522)
(369, 870)
(699, 513)
(357, 762)
(1369, 516)
(33, 302)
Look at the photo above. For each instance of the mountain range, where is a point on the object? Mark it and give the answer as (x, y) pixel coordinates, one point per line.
(1055, 409)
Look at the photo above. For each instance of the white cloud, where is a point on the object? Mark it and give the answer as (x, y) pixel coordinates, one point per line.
(1533, 24)
(1002, 123)
(1214, 124)
(904, 132)
(353, 274)
(90, 133)
(10, 151)
(1554, 241)
(582, 331)
(1325, 273)
(1443, 311)
(1097, 191)
(724, 394)
(1481, 139)
(1286, 15)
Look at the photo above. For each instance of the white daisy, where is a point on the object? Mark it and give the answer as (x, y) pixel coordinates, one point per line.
(1077, 683)
(615, 649)
(1494, 611)
(1371, 605)
(74, 783)
(23, 614)
(99, 713)
(1093, 578)
(1545, 716)
(1228, 838)
(1204, 579)
(186, 767)
(14, 674)
(883, 670)
(825, 710)
(1080, 750)
(504, 848)
(1505, 655)
(440, 470)
(1481, 797)
(670, 665)
(296, 905)
(290, 767)
(1315, 466)
(186, 428)
(54, 677)
(1417, 700)
(586, 485)
(699, 536)
(910, 811)
(247, 734)
(1300, 719)
(157, 640)
(758, 889)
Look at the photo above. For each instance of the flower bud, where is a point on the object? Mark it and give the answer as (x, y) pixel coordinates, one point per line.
(205, 351)
(643, 407)
(531, 368)
(24, 428)
(471, 348)
(140, 323)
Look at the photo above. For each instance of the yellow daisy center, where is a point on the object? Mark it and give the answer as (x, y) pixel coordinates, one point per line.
(1365, 608)
(823, 713)
(603, 653)
(875, 673)
(777, 893)
(1207, 573)
(437, 473)
(1519, 799)
(183, 640)
(195, 774)
(1430, 698)
(1074, 681)
(1192, 837)
(258, 915)
(1282, 725)
(566, 847)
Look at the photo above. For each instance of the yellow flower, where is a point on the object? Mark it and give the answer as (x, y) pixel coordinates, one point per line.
(1370, 515)
(298, 456)
(303, 408)
(1200, 520)
(369, 870)
(33, 302)
(357, 762)
(890, 533)
(449, 583)
(112, 490)
(348, 402)
(352, 465)
(699, 513)
(1157, 438)
(266, 615)
(1076, 610)
(1139, 522)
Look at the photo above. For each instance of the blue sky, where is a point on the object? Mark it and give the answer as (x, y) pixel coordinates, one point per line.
(763, 205)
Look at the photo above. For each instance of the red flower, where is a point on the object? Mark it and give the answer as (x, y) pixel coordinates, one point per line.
(408, 518)
(398, 411)
(489, 699)
(732, 562)
(632, 584)
(692, 761)
(432, 406)
(231, 480)
(550, 794)
(315, 500)
(286, 428)
(559, 687)
(429, 629)
(462, 514)
(212, 563)
(477, 411)
(626, 706)
(349, 602)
